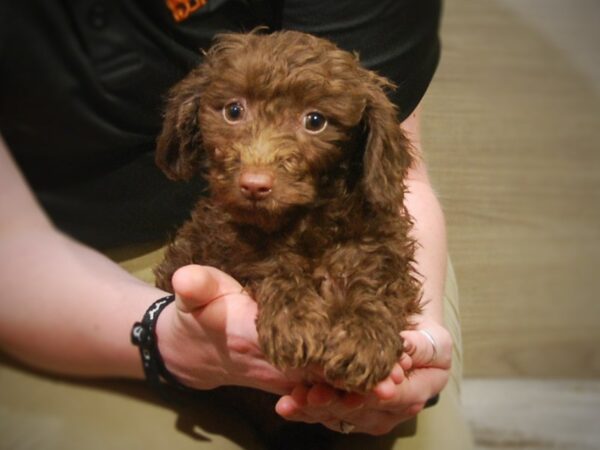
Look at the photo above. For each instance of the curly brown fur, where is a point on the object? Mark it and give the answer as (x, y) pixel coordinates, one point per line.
(312, 224)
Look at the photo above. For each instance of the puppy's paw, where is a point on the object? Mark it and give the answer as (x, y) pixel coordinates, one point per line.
(357, 358)
(292, 340)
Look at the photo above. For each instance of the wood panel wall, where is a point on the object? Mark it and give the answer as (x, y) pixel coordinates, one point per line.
(512, 139)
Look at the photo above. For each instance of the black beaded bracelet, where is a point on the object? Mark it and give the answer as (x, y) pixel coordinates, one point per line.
(143, 335)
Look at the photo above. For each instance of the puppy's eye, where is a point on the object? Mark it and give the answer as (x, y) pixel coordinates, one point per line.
(234, 112)
(314, 122)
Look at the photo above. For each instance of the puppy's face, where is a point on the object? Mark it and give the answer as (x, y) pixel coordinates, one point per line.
(275, 122)
(271, 121)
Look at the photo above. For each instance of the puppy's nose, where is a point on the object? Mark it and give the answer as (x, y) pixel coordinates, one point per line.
(256, 185)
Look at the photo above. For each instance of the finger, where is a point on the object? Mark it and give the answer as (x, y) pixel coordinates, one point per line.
(418, 347)
(431, 346)
(291, 409)
(408, 345)
(321, 395)
(405, 362)
(286, 407)
(300, 395)
(397, 374)
(352, 401)
(289, 406)
(421, 385)
(324, 402)
(386, 389)
(197, 286)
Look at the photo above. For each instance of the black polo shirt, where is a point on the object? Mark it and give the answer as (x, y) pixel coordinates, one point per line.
(82, 85)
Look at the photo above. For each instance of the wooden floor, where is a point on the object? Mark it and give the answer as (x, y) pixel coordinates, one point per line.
(533, 414)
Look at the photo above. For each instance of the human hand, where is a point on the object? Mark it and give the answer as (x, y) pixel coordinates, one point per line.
(207, 337)
(415, 379)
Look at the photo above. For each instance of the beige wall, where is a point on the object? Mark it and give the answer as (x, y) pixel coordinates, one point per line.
(512, 138)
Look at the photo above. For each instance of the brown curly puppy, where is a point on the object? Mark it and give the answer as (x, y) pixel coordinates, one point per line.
(305, 161)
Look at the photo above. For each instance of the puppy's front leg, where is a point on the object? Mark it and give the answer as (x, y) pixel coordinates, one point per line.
(361, 349)
(370, 293)
(292, 319)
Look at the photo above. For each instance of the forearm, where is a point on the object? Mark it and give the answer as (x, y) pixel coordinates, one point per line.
(429, 226)
(65, 308)
(431, 254)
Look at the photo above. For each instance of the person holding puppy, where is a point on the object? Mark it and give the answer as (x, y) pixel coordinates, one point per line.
(80, 109)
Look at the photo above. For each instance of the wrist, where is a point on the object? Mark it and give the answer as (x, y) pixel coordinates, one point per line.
(427, 321)
(180, 341)
(169, 344)
(144, 336)
(117, 357)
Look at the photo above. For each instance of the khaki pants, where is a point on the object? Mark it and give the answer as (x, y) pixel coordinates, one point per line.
(42, 412)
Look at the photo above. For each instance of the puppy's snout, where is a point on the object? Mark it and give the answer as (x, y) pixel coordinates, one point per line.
(255, 184)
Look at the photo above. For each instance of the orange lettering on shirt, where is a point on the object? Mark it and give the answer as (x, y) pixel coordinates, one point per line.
(181, 9)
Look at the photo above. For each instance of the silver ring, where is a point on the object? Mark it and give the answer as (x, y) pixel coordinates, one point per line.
(430, 338)
(346, 428)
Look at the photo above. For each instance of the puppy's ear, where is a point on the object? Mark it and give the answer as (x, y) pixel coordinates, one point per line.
(179, 146)
(387, 154)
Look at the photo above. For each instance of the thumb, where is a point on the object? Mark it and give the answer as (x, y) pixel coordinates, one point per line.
(195, 286)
